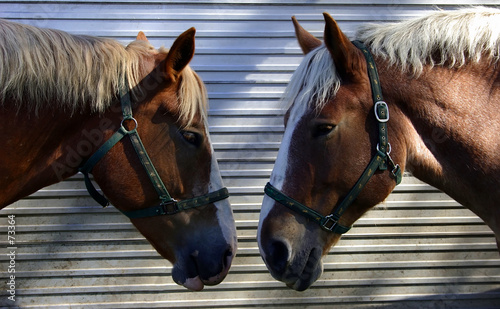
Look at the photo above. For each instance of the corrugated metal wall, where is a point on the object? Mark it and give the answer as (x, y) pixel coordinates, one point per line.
(419, 249)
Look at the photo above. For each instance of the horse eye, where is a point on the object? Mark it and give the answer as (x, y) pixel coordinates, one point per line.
(323, 129)
(191, 137)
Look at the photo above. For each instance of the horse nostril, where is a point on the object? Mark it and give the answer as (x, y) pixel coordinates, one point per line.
(278, 256)
(227, 258)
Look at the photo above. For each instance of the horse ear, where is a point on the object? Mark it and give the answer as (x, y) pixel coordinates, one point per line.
(306, 40)
(141, 36)
(342, 50)
(180, 54)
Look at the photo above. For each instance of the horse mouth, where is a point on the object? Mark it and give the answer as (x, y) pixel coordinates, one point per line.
(299, 274)
(194, 273)
(312, 271)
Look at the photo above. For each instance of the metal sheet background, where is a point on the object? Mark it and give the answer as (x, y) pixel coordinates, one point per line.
(418, 249)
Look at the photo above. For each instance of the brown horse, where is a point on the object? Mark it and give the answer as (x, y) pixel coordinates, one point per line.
(439, 76)
(63, 97)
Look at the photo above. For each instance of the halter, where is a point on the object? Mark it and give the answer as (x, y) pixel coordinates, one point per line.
(380, 161)
(168, 205)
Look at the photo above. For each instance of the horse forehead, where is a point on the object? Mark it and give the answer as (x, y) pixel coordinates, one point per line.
(295, 113)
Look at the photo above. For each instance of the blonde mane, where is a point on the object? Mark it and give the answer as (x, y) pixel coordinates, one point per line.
(454, 37)
(457, 37)
(44, 68)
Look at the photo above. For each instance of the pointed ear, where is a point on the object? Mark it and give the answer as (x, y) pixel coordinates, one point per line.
(343, 52)
(306, 40)
(180, 54)
(141, 36)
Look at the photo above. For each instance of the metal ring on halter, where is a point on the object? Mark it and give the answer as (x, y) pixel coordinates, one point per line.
(388, 151)
(125, 119)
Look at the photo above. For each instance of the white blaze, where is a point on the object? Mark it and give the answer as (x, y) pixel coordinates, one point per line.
(224, 211)
(282, 162)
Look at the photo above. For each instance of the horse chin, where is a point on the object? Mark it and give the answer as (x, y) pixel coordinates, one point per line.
(307, 278)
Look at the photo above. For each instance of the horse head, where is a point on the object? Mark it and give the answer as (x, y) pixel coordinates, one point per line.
(169, 114)
(330, 138)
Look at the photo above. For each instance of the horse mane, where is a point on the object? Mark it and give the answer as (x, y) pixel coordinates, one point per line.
(450, 38)
(52, 69)
(456, 37)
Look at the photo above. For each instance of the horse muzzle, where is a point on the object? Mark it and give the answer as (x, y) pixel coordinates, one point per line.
(297, 268)
(196, 268)
(291, 250)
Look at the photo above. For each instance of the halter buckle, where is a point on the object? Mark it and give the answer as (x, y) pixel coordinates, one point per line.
(168, 208)
(383, 106)
(329, 223)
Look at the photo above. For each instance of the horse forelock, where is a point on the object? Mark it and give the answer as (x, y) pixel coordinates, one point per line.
(451, 38)
(314, 82)
(52, 69)
(192, 96)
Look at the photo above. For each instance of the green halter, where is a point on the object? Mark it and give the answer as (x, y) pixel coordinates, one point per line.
(167, 205)
(380, 161)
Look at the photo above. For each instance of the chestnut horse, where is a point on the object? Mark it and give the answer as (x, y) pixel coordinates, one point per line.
(344, 147)
(136, 118)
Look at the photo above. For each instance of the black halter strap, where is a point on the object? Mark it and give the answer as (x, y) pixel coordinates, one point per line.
(380, 161)
(167, 204)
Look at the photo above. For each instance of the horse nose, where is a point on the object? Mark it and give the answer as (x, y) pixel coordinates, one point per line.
(198, 267)
(227, 258)
(277, 256)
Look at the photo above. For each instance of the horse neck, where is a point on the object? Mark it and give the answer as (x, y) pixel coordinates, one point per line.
(41, 149)
(449, 120)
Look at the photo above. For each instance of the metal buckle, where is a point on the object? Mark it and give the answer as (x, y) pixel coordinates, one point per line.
(389, 149)
(376, 111)
(169, 208)
(328, 223)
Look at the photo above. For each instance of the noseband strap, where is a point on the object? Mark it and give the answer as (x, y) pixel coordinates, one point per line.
(380, 161)
(167, 204)
(329, 223)
(173, 206)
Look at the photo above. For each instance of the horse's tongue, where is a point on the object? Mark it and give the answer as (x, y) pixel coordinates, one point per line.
(194, 284)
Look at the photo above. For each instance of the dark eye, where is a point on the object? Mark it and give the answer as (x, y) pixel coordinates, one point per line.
(323, 129)
(191, 137)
